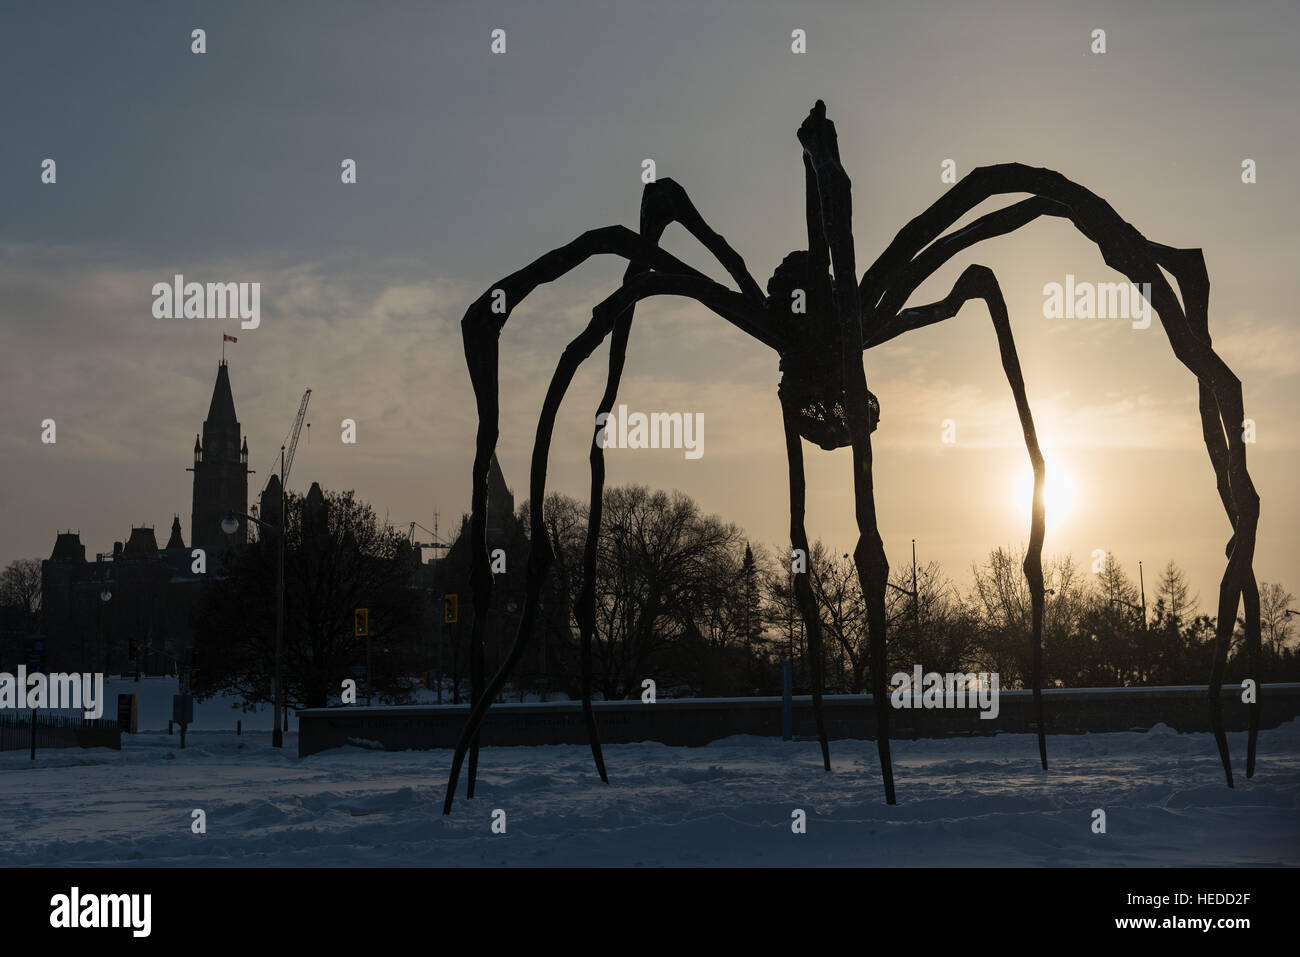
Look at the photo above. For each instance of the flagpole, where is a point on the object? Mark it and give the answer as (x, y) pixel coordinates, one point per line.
(223, 348)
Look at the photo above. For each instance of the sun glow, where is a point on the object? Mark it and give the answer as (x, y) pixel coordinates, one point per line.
(1058, 492)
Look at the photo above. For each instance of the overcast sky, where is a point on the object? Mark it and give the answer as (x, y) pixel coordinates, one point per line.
(226, 167)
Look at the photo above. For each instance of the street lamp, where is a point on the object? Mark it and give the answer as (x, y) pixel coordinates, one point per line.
(104, 596)
(914, 594)
(1142, 608)
(230, 525)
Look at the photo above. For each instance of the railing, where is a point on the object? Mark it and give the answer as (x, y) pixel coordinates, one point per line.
(57, 731)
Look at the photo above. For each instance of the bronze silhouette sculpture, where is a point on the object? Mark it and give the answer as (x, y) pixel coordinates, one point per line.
(824, 396)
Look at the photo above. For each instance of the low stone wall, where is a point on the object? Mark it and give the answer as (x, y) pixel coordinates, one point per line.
(692, 722)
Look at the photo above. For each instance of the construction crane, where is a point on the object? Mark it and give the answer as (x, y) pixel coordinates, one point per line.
(293, 439)
(410, 537)
(292, 445)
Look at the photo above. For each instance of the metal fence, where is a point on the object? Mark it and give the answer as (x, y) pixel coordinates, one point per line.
(57, 731)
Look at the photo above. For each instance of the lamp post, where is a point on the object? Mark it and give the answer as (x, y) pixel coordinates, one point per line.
(1142, 608)
(512, 609)
(230, 525)
(105, 597)
(914, 594)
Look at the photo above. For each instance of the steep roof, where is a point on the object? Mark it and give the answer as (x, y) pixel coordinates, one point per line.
(496, 480)
(501, 502)
(221, 411)
(176, 541)
(141, 544)
(68, 548)
(315, 508)
(269, 504)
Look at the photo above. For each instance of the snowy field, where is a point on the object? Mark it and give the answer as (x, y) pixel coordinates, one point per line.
(974, 801)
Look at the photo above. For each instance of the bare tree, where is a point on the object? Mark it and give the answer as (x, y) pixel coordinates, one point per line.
(20, 585)
(659, 565)
(1274, 600)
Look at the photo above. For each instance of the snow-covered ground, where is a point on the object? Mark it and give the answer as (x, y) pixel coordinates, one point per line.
(972, 801)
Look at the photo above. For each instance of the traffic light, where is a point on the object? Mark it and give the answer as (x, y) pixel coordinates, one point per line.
(450, 609)
(361, 624)
(194, 671)
(131, 650)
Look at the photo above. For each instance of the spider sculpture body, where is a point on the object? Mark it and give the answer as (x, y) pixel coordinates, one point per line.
(824, 396)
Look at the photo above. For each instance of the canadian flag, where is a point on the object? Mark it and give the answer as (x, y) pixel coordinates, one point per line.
(226, 338)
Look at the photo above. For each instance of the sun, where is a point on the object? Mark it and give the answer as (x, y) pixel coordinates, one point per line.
(1058, 491)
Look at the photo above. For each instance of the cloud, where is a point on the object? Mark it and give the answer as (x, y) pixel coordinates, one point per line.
(1250, 343)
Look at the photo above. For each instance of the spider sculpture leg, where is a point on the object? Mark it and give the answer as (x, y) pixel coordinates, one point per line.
(817, 135)
(819, 302)
(907, 261)
(803, 592)
(663, 202)
(978, 282)
(481, 353)
(585, 612)
(481, 329)
(1250, 602)
(1187, 266)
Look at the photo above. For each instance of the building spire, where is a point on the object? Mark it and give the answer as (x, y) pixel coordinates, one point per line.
(221, 410)
(220, 470)
(501, 502)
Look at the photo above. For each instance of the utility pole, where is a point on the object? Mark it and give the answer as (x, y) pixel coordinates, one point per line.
(277, 734)
(916, 595)
(541, 645)
(1142, 608)
(440, 637)
(1143, 588)
(229, 525)
(434, 576)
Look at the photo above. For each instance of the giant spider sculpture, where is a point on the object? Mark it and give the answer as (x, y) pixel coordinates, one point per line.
(824, 396)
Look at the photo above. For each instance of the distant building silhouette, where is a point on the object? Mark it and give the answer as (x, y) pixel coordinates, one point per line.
(450, 575)
(144, 621)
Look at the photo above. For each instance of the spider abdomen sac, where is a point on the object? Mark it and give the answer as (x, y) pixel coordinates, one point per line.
(812, 388)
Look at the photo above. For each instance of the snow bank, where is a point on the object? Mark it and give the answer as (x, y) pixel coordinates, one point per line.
(968, 801)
